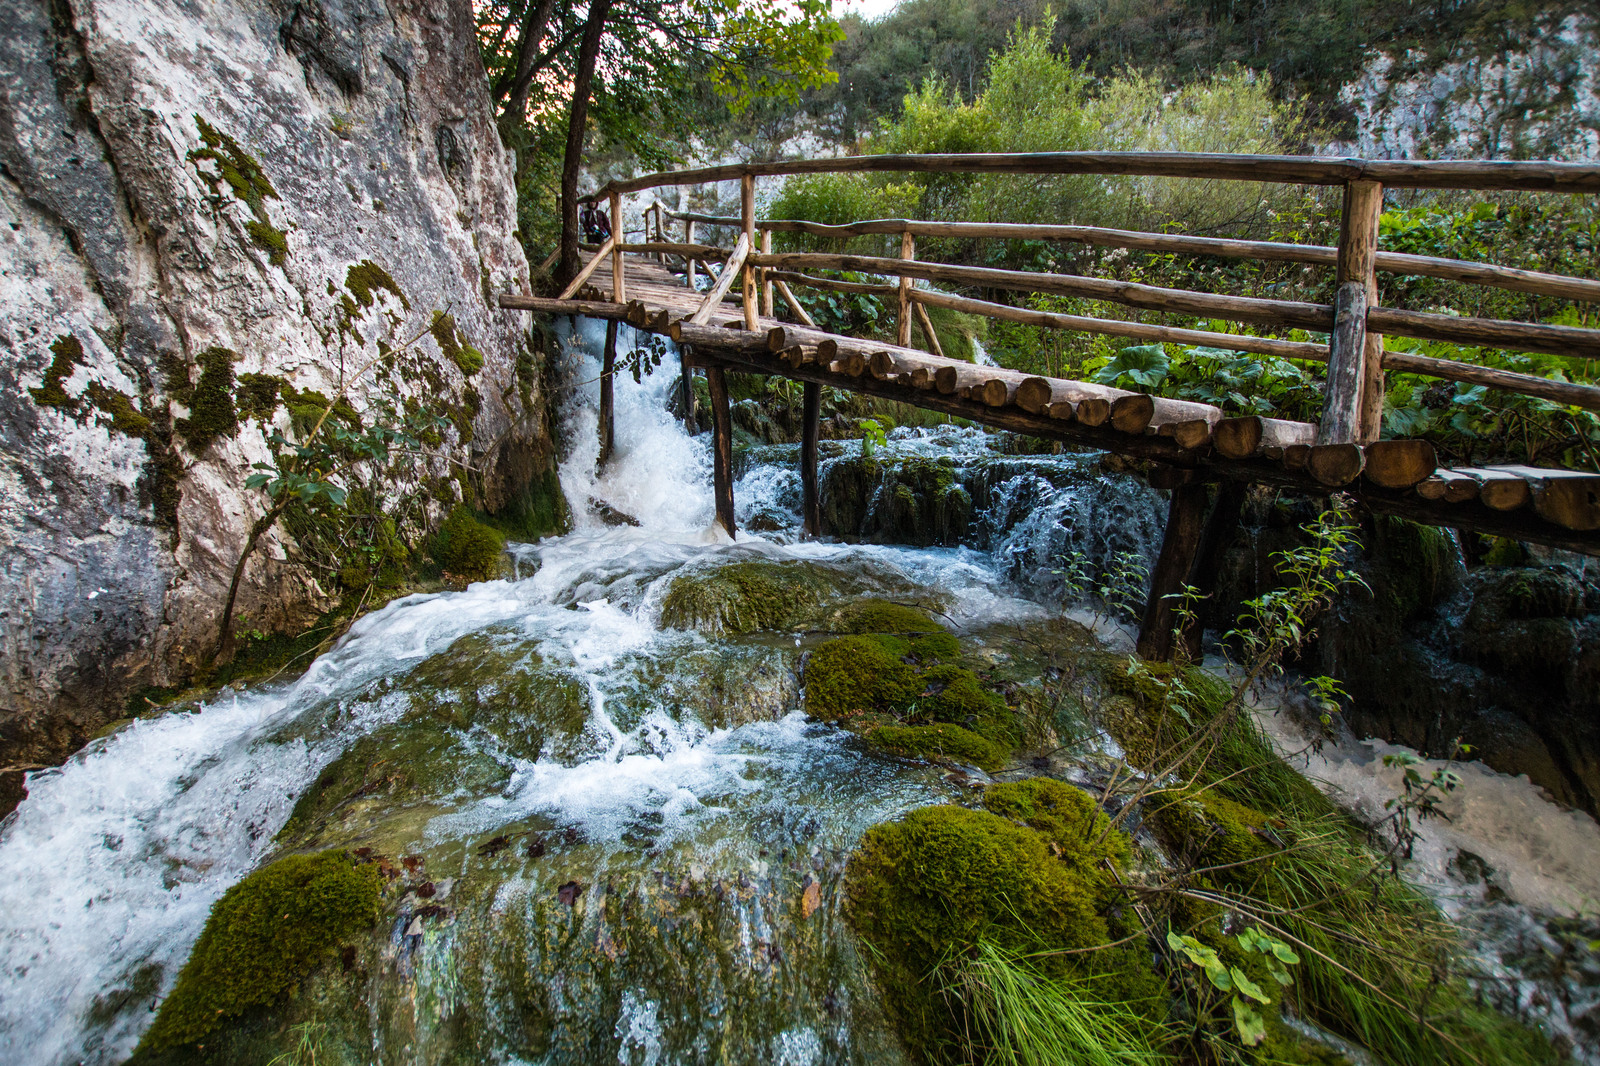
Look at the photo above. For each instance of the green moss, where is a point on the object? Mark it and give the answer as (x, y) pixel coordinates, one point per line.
(364, 279)
(211, 410)
(264, 935)
(744, 597)
(862, 672)
(234, 167)
(938, 743)
(1417, 564)
(1068, 817)
(539, 509)
(883, 616)
(125, 418)
(270, 239)
(1505, 552)
(466, 547)
(258, 395)
(924, 890)
(454, 345)
(1212, 830)
(68, 352)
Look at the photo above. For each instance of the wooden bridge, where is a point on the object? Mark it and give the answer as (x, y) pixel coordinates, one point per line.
(1187, 444)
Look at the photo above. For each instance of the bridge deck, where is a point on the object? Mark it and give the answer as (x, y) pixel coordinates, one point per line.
(1187, 441)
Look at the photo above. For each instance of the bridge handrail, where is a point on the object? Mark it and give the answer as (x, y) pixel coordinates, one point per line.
(1505, 175)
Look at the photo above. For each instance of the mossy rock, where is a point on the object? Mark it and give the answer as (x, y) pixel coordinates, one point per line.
(1067, 817)
(922, 891)
(745, 597)
(939, 743)
(861, 672)
(265, 935)
(1211, 830)
(467, 547)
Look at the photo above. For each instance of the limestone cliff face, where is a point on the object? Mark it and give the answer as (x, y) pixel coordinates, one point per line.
(1530, 94)
(191, 194)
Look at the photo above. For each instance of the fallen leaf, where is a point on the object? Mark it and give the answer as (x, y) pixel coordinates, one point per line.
(569, 892)
(426, 889)
(810, 899)
(412, 863)
(494, 847)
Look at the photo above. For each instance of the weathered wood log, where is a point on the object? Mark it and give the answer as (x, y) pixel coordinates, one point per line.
(697, 251)
(927, 329)
(1117, 328)
(1358, 244)
(1132, 294)
(588, 269)
(1487, 332)
(1342, 395)
(619, 272)
(1132, 413)
(691, 424)
(997, 391)
(853, 363)
(921, 378)
(1569, 498)
(1295, 170)
(544, 305)
(1166, 477)
(1067, 411)
(1399, 464)
(715, 338)
(810, 499)
(708, 306)
(1220, 528)
(1185, 521)
(1448, 486)
(1505, 380)
(608, 370)
(882, 365)
(747, 209)
(721, 449)
(1335, 465)
(1190, 434)
(860, 288)
(1297, 456)
(766, 282)
(1499, 490)
(794, 304)
(1240, 438)
(908, 252)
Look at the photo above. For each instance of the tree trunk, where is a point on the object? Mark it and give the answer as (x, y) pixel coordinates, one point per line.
(577, 124)
(528, 39)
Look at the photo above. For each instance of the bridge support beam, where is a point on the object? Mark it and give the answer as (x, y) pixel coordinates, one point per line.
(810, 501)
(691, 424)
(721, 448)
(1185, 521)
(608, 369)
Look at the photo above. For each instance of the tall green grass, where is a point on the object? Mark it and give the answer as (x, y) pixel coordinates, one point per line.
(1027, 1018)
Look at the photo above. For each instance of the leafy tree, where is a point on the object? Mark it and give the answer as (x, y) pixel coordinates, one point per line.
(634, 68)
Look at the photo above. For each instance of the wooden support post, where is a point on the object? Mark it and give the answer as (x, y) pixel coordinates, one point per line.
(908, 250)
(766, 281)
(619, 284)
(747, 210)
(691, 424)
(1185, 517)
(688, 238)
(1214, 541)
(1353, 405)
(721, 448)
(608, 425)
(810, 501)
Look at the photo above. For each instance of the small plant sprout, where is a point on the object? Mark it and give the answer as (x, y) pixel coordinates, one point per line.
(873, 436)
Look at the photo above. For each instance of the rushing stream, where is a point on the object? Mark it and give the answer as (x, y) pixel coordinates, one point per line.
(613, 840)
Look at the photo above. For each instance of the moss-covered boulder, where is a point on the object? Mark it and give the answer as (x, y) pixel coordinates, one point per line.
(924, 890)
(465, 547)
(938, 743)
(861, 672)
(745, 597)
(265, 935)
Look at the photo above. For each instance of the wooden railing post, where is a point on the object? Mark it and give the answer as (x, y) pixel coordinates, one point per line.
(608, 371)
(811, 412)
(619, 284)
(747, 204)
(721, 449)
(688, 238)
(908, 250)
(766, 281)
(1352, 410)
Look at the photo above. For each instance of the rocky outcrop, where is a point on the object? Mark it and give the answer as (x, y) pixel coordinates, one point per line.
(206, 211)
(1518, 93)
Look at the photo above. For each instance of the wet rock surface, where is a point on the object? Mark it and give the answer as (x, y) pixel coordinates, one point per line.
(290, 185)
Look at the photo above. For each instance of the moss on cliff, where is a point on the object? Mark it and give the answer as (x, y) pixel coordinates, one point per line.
(231, 165)
(68, 356)
(466, 547)
(264, 935)
(453, 344)
(365, 278)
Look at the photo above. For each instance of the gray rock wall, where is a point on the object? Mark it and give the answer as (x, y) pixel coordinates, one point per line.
(177, 178)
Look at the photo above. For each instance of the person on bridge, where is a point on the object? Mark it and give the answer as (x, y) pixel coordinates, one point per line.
(596, 227)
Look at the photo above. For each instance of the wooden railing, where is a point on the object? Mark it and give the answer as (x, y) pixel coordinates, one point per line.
(1355, 322)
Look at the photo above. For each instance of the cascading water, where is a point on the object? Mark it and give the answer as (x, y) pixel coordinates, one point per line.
(611, 840)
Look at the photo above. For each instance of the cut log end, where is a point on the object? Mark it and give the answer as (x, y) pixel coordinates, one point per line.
(1132, 413)
(1094, 411)
(1335, 465)
(1033, 395)
(1237, 438)
(946, 379)
(1062, 410)
(1399, 464)
(882, 365)
(997, 392)
(1569, 502)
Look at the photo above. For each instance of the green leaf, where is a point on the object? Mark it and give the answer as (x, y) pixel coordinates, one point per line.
(1247, 1020)
(1248, 987)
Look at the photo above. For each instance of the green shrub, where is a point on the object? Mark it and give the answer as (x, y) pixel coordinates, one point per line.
(264, 935)
(466, 547)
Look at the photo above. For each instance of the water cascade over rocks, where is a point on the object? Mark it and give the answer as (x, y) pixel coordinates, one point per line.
(607, 831)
